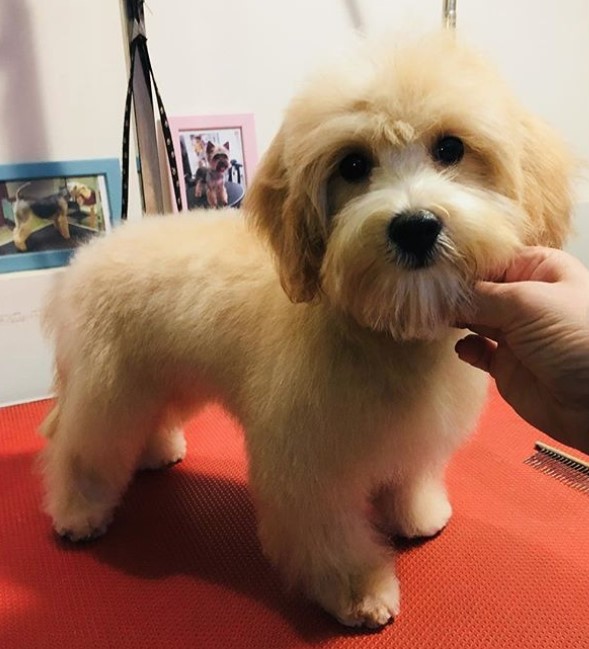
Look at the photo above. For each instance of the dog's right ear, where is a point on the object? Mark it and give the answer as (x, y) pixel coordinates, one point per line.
(280, 205)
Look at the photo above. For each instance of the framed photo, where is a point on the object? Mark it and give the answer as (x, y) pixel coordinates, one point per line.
(48, 208)
(216, 157)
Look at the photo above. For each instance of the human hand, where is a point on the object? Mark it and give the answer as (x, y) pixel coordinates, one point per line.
(532, 336)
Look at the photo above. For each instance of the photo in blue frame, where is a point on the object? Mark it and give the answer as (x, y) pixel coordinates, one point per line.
(47, 209)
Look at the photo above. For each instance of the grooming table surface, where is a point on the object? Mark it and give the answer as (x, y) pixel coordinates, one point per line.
(181, 566)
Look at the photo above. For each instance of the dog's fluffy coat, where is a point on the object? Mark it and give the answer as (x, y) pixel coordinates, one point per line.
(339, 362)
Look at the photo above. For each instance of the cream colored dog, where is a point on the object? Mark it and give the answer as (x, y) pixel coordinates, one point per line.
(394, 183)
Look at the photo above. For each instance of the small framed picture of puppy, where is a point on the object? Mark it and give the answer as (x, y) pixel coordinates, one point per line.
(216, 156)
(48, 208)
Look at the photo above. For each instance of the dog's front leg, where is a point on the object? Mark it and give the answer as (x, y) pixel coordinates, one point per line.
(199, 189)
(223, 195)
(92, 221)
(212, 197)
(323, 543)
(416, 507)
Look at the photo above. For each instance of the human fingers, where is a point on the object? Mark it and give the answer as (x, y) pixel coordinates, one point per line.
(493, 308)
(497, 306)
(486, 332)
(476, 351)
(481, 330)
(536, 263)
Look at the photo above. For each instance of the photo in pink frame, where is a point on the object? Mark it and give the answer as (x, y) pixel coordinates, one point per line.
(216, 157)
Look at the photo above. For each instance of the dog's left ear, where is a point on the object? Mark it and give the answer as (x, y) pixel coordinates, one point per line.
(280, 205)
(547, 168)
(226, 146)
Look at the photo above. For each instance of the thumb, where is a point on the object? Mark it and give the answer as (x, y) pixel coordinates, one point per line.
(494, 306)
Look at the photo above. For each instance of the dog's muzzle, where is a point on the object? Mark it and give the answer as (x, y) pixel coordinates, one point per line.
(414, 235)
(220, 162)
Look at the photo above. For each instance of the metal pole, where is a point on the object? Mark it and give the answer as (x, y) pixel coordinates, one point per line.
(449, 14)
(144, 121)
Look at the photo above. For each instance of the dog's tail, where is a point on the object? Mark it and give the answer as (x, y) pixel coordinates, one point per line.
(54, 328)
(49, 426)
(19, 190)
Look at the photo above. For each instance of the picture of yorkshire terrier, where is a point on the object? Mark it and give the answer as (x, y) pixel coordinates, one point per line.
(321, 315)
(53, 207)
(210, 179)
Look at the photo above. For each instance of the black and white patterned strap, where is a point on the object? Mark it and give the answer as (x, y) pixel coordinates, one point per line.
(139, 47)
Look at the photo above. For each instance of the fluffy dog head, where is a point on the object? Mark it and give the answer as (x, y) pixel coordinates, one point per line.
(396, 182)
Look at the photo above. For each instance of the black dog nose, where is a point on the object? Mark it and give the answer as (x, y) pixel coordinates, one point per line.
(415, 234)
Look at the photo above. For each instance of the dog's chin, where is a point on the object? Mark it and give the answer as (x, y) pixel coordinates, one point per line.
(386, 293)
(415, 305)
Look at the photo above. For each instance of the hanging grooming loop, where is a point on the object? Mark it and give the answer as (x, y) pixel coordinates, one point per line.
(449, 14)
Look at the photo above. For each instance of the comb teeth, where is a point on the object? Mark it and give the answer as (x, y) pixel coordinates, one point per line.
(565, 468)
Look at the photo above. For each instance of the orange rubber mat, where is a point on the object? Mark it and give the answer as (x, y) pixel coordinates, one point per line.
(181, 566)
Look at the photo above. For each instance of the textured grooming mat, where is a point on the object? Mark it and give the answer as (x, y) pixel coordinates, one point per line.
(181, 567)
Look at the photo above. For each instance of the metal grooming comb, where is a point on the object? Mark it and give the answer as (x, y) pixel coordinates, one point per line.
(565, 468)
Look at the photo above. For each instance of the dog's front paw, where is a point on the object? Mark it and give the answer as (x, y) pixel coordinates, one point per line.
(80, 533)
(83, 527)
(372, 611)
(76, 517)
(370, 601)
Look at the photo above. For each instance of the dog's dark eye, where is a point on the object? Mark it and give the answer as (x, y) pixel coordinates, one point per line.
(355, 167)
(448, 150)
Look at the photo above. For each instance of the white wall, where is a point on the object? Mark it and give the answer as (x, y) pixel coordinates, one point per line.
(63, 80)
(237, 56)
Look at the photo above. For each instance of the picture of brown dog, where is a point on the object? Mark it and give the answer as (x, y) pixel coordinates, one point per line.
(53, 207)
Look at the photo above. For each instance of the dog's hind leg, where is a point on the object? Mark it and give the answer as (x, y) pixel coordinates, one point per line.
(92, 454)
(21, 232)
(164, 447)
